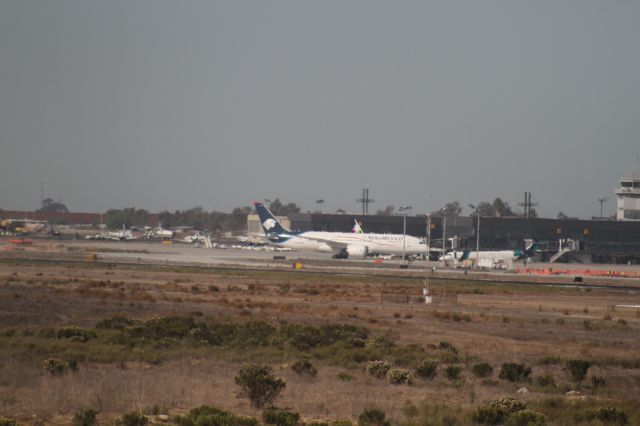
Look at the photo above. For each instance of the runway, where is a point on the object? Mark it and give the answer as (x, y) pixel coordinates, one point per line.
(178, 254)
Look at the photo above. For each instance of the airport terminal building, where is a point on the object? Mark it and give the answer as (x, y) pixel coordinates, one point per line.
(599, 241)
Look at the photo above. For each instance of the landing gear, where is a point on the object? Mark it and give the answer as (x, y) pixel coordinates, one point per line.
(342, 254)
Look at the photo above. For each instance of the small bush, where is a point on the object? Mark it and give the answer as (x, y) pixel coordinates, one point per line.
(496, 412)
(549, 360)
(7, 422)
(514, 372)
(304, 367)
(75, 334)
(373, 417)
(54, 366)
(482, 370)
(85, 417)
(211, 416)
(578, 369)
(409, 409)
(398, 376)
(453, 372)
(546, 381)
(598, 382)
(378, 369)
(132, 419)
(428, 368)
(280, 417)
(487, 415)
(344, 377)
(342, 423)
(527, 418)
(604, 414)
(258, 384)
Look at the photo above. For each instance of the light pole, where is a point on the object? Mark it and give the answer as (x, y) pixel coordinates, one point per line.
(477, 232)
(602, 200)
(428, 235)
(444, 232)
(320, 203)
(403, 210)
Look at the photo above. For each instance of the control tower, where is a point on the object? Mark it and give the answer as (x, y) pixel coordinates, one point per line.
(628, 195)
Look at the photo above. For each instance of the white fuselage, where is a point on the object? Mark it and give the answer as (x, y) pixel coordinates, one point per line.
(374, 243)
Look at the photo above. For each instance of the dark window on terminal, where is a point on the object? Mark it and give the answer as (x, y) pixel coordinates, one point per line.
(626, 184)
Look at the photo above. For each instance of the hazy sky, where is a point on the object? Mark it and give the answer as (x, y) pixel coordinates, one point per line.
(170, 105)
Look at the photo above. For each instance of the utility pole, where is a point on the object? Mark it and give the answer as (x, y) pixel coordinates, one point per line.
(428, 235)
(320, 203)
(365, 200)
(477, 229)
(444, 231)
(527, 205)
(403, 211)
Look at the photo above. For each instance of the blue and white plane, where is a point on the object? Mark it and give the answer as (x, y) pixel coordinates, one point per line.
(355, 244)
(491, 259)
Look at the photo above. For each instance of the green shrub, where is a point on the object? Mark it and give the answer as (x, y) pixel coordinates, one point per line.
(409, 409)
(317, 423)
(526, 418)
(75, 334)
(342, 423)
(258, 384)
(344, 377)
(399, 376)
(496, 412)
(211, 416)
(546, 381)
(453, 372)
(280, 417)
(610, 415)
(487, 415)
(514, 372)
(304, 367)
(373, 417)
(428, 368)
(549, 360)
(598, 382)
(482, 370)
(115, 323)
(378, 369)
(578, 369)
(7, 422)
(132, 419)
(509, 405)
(54, 366)
(86, 417)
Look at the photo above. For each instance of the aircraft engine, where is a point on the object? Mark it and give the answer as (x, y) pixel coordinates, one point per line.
(357, 252)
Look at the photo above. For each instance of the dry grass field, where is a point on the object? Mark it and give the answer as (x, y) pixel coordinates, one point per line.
(269, 313)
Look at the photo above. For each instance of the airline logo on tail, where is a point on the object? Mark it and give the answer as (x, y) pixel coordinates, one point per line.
(269, 224)
(357, 229)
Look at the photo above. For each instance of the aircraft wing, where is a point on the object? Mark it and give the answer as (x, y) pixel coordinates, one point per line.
(335, 245)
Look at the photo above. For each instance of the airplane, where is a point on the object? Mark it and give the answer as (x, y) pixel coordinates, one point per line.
(491, 259)
(195, 238)
(159, 232)
(123, 235)
(342, 244)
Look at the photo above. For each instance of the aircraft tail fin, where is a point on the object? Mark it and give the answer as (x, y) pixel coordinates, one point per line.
(269, 223)
(357, 228)
(530, 247)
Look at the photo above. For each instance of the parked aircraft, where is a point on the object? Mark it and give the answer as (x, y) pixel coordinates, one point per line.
(490, 259)
(159, 232)
(342, 244)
